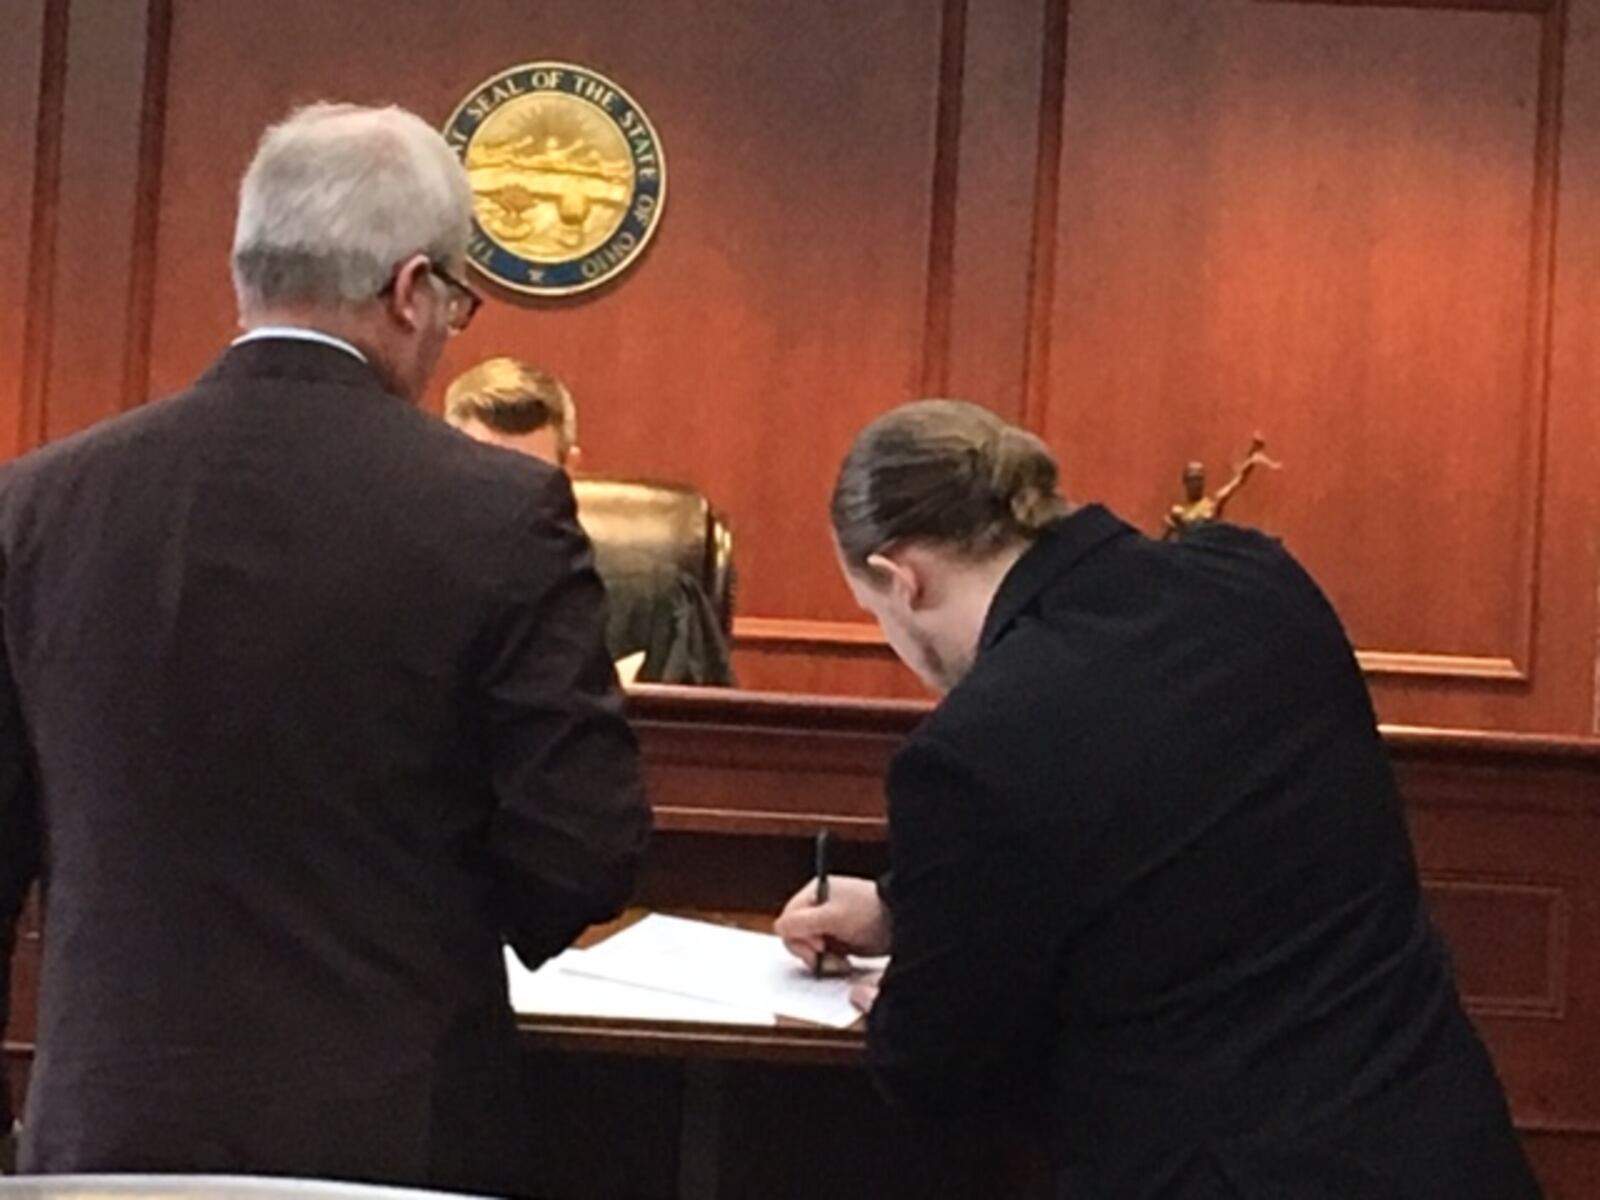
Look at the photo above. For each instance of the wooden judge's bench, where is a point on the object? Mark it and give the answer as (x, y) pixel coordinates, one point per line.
(1508, 835)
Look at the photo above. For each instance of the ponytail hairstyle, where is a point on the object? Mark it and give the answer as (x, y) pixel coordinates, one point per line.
(944, 473)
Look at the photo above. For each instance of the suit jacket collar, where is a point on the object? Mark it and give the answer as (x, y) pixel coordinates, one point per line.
(1056, 551)
(292, 359)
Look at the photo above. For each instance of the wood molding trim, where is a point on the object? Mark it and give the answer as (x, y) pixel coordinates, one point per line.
(147, 183)
(1046, 201)
(1441, 666)
(43, 228)
(800, 633)
(940, 281)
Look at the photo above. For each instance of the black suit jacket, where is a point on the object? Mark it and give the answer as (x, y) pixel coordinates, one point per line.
(667, 614)
(304, 707)
(1151, 879)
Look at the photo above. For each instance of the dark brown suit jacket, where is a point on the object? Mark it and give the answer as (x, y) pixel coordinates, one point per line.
(304, 707)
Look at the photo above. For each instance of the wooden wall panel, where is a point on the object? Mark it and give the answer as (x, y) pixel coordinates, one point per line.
(1003, 101)
(1144, 228)
(1315, 220)
(996, 147)
(1335, 224)
(1568, 649)
(1363, 228)
(820, 658)
(25, 103)
(783, 301)
(1508, 861)
(1569, 1167)
(29, 59)
(102, 260)
(16, 1053)
(1512, 939)
(853, 231)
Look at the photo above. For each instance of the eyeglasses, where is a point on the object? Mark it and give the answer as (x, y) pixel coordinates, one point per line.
(461, 302)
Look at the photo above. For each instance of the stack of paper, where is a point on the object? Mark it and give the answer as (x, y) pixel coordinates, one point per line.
(557, 989)
(714, 963)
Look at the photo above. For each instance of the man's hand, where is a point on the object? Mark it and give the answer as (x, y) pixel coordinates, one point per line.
(853, 921)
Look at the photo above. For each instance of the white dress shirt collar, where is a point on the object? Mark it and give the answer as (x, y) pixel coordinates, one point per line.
(299, 334)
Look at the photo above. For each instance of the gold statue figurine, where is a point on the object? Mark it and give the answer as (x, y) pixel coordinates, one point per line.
(1197, 507)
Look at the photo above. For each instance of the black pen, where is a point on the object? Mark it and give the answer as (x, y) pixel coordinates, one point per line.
(822, 892)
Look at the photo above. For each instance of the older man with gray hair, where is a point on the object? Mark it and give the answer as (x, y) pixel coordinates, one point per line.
(304, 712)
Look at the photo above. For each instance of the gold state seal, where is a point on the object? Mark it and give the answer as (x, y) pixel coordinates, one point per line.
(568, 178)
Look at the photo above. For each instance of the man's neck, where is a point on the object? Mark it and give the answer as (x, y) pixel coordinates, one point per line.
(316, 320)
(982, 584)
(361, 330)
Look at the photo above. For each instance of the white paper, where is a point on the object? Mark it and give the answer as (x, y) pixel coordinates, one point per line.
(556, 990)
(714, 962)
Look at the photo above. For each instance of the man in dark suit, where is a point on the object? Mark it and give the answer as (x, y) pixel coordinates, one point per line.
(1150, 875)
(304, 708)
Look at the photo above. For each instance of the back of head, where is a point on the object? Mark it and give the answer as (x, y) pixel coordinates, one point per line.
(510, 397)
(943, 473)
(336, 196)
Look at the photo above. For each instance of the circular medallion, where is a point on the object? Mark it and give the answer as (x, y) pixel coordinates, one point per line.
(568, 178)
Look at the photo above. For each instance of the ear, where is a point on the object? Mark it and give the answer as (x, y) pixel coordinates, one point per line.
(902, 577)
(403, 300)
(574, 460)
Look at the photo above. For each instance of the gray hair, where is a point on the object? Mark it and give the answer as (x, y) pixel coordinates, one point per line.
(940, 472)
(336, 197)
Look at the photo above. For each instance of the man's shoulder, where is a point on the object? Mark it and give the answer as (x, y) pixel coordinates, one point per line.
(401, 452)
(1039, 664)
(126, 430)
(490, 476)
(482, 500)
(1219, 544)
(1024, 702)
(394, 439)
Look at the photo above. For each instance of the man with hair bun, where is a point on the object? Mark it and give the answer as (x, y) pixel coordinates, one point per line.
(1150, 877)
(305, 712)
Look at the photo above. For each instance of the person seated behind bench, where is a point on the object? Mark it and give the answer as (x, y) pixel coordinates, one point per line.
(661, 627)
